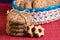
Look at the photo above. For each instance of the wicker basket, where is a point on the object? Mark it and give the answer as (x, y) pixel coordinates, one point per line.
(41, 15)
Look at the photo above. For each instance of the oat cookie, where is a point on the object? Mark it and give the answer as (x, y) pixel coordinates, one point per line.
(17, 30)
(7, 29)
(57, 1)
(43, 3)
(39, 3)
(36, 4)
(28, 4)
(17, 26)
(51, 2)
(18, 2)
(15, 17)
(17, 34)
(22, 4)
(27, 18)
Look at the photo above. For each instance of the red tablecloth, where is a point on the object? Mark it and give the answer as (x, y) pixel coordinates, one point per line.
(52, 30)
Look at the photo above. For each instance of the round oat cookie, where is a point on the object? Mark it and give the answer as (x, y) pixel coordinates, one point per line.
(28, 18)
(17, 30)
(22, 4)
(57, 1)
(18, 2)
(17, 34)
(51, 2)
(37, 3)
(16, 26)
(7, 29)
(43, 3)
(10, 31)
(28, 4)
(15, 17)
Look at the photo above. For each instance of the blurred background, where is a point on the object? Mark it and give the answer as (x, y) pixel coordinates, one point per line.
(5, 1)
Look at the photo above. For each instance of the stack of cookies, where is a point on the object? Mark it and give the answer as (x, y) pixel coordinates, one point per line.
(20, 24)
(17, 23)
(36, 3)
(15, 29)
